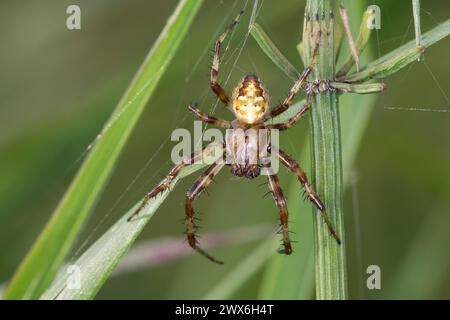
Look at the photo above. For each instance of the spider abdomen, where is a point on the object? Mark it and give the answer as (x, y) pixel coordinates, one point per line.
(250, 100)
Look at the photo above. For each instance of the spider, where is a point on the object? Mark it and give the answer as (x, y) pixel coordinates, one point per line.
(250, 105)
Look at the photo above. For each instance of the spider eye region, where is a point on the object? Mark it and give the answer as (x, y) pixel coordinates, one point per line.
(249, 102)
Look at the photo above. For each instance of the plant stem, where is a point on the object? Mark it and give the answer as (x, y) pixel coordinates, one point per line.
(416, 15)
(330, 264)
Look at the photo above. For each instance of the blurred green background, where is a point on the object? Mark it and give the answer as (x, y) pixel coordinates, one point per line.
(58, 87)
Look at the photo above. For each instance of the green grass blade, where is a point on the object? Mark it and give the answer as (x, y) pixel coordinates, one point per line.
(40, 265)
(269, 48)
(399, 58)
(99, 260)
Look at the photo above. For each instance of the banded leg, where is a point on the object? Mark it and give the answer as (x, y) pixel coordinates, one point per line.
(209, 119)
(218, 90)
(200, 184)
(297, 86)
(295, 118)
(194, 158)
(293, 166)
(280, 201)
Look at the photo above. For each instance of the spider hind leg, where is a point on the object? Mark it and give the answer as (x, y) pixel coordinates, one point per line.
(293, 166)
(280, 201)
(200, 185)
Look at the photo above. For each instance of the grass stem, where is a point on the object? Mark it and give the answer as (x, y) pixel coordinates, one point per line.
(330, 259)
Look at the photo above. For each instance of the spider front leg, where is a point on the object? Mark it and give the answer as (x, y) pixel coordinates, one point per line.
(293, 166)
(209, 119)
(295, 118)
(297, 86)
(195, 158)
(199, 185)
(218, 90)
(280, 201)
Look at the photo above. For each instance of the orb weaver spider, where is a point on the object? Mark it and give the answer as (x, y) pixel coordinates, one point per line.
(249, 104)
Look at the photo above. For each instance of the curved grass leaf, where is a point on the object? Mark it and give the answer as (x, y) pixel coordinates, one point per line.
(99, 260)
(399, 58)
(269, 48)
(40, 265)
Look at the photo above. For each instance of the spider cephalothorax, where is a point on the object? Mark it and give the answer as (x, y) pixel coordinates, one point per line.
(249, 101)
(250, 106)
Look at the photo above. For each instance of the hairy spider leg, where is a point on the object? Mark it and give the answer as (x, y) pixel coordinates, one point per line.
(195, 158)
(280, 201)
(200, 184)
(293, 166)
(209, 119)
(291, 121)
(296, 87)
(218, 90)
